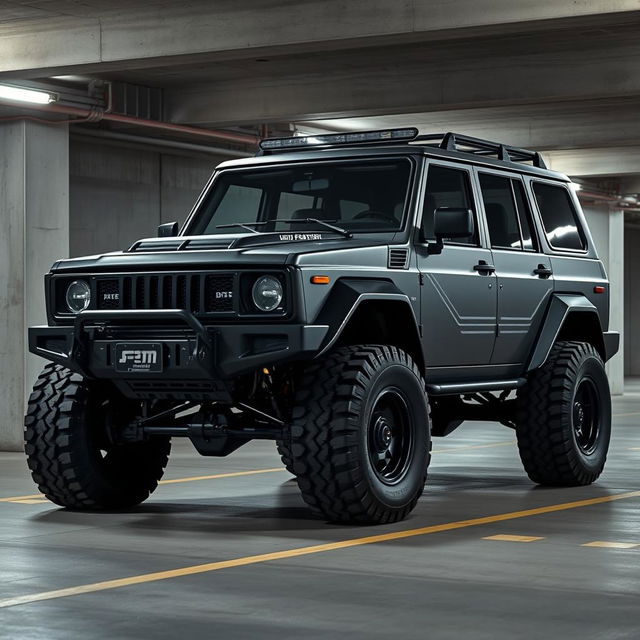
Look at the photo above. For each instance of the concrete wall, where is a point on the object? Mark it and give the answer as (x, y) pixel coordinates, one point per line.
(120, 194)
(631, 301)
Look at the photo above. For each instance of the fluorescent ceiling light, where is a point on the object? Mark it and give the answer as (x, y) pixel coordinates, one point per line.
(20, 94)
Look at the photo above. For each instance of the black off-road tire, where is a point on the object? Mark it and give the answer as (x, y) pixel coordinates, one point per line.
(284, 450)
(347, 407)
(70, 458)
(563, 423)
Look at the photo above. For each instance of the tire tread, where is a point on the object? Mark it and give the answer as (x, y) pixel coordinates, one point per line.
(54, 417)
(324, 429)
(545, 442)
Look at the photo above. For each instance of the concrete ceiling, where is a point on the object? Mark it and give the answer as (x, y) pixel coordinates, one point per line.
(556, 76)
(22, 10)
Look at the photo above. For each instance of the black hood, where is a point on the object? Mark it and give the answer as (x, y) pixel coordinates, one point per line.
(218, 250)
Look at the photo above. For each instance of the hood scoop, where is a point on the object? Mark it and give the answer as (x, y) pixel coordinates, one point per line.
(180, 244)
(204, 243)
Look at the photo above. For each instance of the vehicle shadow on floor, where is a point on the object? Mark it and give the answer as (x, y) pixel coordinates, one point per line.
(447, 498)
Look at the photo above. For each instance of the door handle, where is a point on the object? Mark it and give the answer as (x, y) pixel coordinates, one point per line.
(484, 267)
(543, 271)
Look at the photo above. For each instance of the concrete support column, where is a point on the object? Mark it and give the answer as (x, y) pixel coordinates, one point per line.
(34, 232)
(607, 227)
(615, 269)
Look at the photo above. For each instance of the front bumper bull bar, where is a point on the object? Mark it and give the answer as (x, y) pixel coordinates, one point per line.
(190, 349)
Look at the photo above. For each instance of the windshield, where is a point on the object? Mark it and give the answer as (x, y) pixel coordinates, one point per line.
(363, 197)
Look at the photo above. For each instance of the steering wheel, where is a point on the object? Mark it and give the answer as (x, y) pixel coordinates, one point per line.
(376, 215)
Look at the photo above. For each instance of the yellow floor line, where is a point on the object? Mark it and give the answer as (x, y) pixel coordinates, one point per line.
(625, 415)
(18, 498)
(474, 446)
(509, 538)
(233, 474)
(304, 551)
(37, 498)
(612, 545)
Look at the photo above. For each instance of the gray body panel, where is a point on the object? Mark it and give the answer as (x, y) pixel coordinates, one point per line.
(458, 307)
(523, 298)
(471, 327)
(581, 274)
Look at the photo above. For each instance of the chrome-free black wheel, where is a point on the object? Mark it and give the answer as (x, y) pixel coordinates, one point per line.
(390, 444)
(564, 417)
(360, 435)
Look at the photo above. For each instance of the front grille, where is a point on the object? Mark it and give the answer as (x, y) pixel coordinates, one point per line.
(219, 293)
(195, 292)
(109, 294)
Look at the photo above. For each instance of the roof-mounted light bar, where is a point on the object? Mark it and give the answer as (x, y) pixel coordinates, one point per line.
(333, 139)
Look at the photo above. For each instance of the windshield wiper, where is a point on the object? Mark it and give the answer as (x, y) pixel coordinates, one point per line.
(323, 223)
(244, 225)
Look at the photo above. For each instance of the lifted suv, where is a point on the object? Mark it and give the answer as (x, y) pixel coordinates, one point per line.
(347, 296)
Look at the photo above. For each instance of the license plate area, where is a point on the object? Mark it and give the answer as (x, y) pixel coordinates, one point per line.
(138, 357)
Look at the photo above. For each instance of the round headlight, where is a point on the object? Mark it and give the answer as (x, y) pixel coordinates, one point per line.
(78, 296)
(267, 293)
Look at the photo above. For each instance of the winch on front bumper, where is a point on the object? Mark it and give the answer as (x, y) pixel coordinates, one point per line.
(169, 353)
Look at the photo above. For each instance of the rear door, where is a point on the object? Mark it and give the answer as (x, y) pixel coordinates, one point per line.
(458, 296)
(524, 274)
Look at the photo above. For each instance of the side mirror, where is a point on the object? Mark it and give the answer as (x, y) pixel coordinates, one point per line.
(168, 230)
(451, 222)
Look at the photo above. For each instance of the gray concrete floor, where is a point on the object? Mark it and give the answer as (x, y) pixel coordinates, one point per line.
(452, 584)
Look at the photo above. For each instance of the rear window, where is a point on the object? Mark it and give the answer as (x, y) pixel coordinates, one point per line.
(559, 217)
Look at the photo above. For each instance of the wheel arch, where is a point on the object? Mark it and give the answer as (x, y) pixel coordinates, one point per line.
(569, 317)
(371, 312)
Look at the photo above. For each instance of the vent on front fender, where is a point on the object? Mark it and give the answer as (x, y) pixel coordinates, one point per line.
(398, 258)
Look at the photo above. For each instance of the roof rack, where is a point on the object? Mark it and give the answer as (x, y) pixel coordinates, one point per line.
(449, 141)
(458, 142)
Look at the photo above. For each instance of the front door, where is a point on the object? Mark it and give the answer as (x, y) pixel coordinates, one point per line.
(459, 298)
(525, 280)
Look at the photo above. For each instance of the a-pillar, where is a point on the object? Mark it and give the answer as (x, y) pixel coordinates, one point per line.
(34, 221)
(607, 227)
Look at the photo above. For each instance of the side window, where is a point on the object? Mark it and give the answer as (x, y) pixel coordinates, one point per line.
(508, 214)
(529, 240)
(502, 215)
(558, 216)
(447, 188)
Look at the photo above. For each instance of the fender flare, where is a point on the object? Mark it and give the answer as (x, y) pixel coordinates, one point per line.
(345, 298)
(560, 307)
